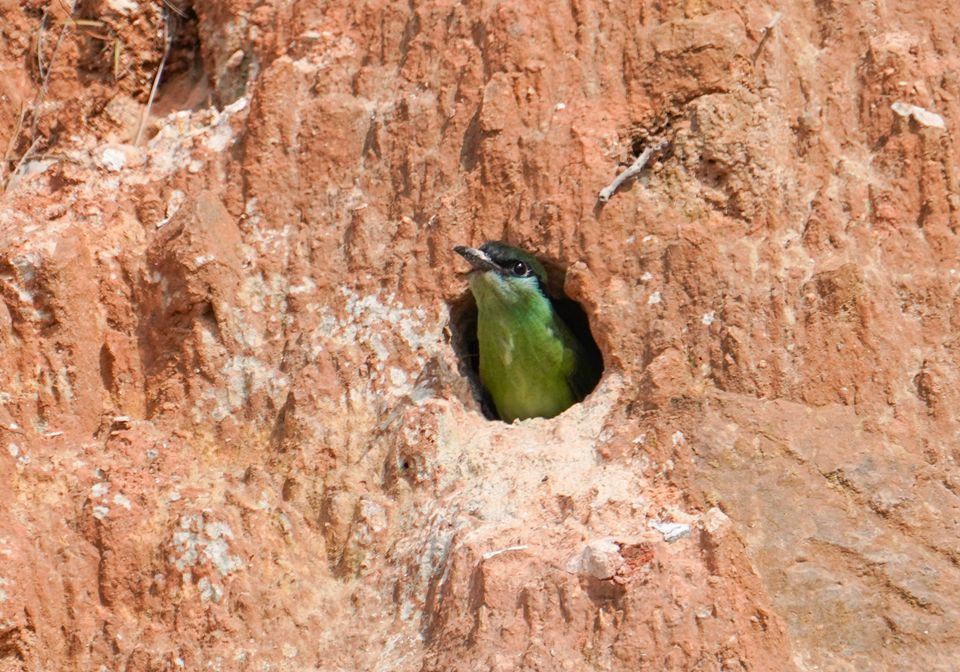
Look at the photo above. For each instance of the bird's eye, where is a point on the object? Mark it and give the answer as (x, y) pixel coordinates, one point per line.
(519, 269)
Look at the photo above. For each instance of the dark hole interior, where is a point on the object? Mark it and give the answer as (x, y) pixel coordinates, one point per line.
(183, 84)
(463, 326)
(638, 144)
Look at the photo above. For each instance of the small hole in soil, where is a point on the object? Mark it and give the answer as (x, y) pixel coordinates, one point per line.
(463, 326)
(184, 83)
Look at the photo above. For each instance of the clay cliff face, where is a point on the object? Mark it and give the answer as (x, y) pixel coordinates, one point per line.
(236, 431)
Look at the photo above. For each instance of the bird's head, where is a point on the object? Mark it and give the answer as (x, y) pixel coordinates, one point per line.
(504, 274)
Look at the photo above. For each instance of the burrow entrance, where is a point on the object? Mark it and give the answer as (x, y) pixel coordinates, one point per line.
(184, 82)
(466, 346)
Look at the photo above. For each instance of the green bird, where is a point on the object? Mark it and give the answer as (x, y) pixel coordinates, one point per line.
(531, 364)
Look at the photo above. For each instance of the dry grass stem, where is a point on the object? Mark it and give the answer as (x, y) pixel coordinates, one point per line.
(23, 159)
(767, 29)
(634, 169)
(167, 41)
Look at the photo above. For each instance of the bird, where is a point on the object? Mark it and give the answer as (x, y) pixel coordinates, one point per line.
(531, 362)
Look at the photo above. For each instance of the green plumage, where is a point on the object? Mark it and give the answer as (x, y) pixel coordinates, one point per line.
(531, 364)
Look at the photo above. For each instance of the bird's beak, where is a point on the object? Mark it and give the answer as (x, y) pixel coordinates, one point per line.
(477, 258)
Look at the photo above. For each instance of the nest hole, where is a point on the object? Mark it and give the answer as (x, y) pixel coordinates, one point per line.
(466, 345)
(184, 82)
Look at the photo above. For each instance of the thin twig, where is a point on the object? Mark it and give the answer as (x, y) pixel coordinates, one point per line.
(176, 10)
(116, 59)
(765, 33)
(167, 41)
(37, 105)
(635, 169)
(83, 23)
(42, 94)
(40, 34)
(12, 143)
(23, 159)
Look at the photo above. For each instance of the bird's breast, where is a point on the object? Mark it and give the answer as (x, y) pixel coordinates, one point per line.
(522, 366)
(505, 347)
